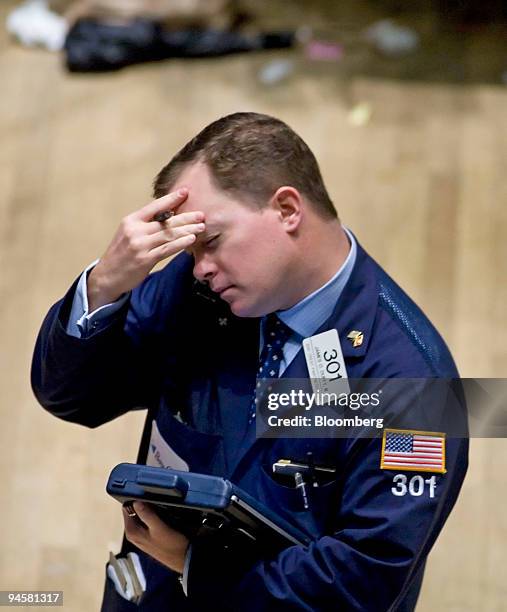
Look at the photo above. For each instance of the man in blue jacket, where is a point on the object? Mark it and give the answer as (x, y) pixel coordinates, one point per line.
(262, 264)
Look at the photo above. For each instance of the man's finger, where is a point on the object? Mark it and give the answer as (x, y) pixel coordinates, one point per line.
(167, 202)
(171, 247)
(134, 529)
(168, 235)
(178, 220)
(148, 516)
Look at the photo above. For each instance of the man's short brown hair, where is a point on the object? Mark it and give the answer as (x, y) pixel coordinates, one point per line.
(251, 155)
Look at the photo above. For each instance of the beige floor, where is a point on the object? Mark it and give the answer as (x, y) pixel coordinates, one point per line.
(422, 184)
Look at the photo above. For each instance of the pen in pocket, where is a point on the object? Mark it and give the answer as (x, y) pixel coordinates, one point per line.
(301, 485)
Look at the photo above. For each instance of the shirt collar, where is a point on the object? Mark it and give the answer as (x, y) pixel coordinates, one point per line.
(311, 312)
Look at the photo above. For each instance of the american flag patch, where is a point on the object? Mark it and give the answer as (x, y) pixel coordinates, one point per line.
(421, 451)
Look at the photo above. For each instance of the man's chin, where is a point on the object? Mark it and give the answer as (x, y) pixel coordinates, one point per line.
(240, 309)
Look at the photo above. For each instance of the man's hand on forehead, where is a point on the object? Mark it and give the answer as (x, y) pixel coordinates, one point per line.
(140, 243)
(174, 208)
(168, 203)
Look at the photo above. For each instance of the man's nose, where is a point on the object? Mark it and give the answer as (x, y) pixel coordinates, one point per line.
(204, 268)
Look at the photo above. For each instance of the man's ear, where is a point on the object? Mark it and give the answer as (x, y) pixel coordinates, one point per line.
(288, 203)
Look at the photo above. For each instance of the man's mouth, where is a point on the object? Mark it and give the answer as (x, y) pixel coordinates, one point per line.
(221, 290)
(225, 293)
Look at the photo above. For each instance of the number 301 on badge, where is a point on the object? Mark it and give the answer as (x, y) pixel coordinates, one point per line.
(325, 362)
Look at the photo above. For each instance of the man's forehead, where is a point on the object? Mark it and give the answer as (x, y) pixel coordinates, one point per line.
(218, 207)
(197, 179)
(203, 193)
(200, 200)
(212, 211)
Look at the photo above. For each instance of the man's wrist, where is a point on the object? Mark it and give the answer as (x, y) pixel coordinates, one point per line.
(96, 292)
(177, 560)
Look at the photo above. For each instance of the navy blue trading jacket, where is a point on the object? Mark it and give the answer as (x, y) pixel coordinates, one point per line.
(169, 351)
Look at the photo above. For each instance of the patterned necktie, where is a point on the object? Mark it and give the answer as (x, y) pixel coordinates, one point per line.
(275, 336)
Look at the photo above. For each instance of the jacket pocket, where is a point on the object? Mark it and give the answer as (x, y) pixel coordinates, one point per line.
(185, 446)
(322, 501)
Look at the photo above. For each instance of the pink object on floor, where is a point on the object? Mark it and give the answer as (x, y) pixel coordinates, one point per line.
(324, 51)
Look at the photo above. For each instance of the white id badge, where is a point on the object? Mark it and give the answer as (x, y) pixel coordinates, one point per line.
(160, 454)
(326, 365)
